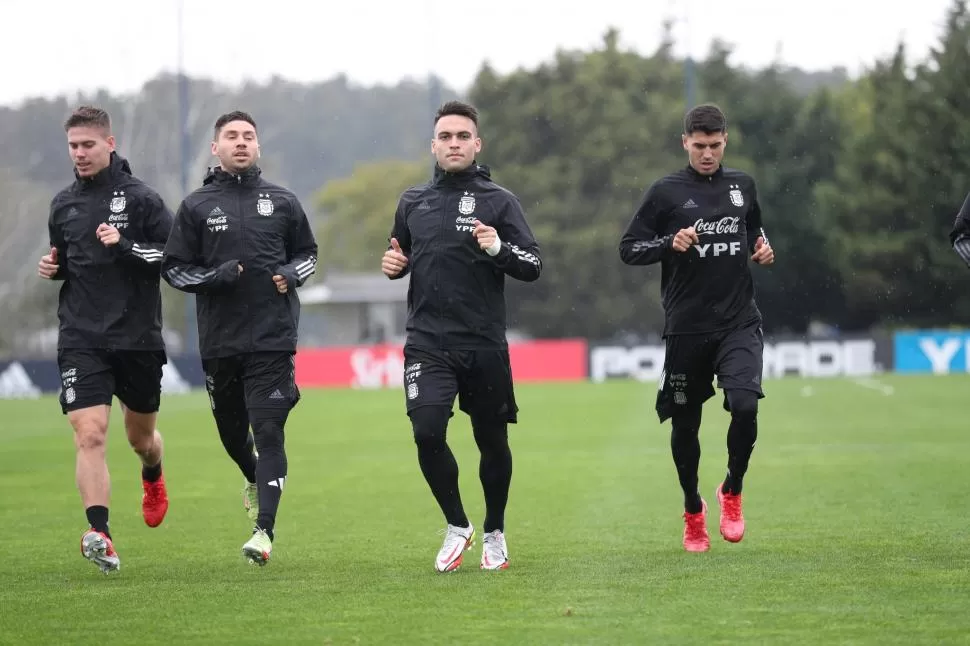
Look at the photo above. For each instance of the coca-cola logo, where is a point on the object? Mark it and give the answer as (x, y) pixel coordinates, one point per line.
(726, 225)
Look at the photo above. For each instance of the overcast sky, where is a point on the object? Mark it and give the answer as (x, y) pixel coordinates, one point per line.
(55, 46)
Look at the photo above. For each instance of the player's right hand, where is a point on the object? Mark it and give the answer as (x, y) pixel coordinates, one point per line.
(394, 260)
(684, 239)
(47, 267)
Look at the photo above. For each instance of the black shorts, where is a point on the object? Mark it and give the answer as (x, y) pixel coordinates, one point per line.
(257, 380)
(691, 361)
(91, 377)
(481, 379)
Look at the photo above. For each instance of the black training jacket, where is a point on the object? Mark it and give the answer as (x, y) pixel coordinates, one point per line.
(110, 296)
(242, 220)
(456, 295)
(709, 287)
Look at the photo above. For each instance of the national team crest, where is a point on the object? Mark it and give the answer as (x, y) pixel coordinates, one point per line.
(118, 202)
(466, 205)
(737, 199)
(264, 205)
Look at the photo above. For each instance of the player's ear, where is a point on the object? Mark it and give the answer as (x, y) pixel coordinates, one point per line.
(683, 141)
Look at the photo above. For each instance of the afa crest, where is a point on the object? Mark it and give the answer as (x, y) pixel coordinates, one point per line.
(737, 199)
(264, 205)
(118, 202)
(466, 205)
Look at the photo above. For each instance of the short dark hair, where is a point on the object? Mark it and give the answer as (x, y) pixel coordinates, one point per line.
(235, 115)
(706, 118)
(457, 108)
(89, 116)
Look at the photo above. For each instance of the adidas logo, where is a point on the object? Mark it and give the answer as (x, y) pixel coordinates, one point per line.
(424, 205)
(276, 394)
(15, 383)
(216, 211)
(689, 204)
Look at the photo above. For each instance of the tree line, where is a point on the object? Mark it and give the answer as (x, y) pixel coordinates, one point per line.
(859, 179)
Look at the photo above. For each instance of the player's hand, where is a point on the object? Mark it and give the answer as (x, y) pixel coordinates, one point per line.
(763, 253)
(47, 267)
(281, 285)
(394, 260)
(684, 239)
(108, 235)
(485, 235)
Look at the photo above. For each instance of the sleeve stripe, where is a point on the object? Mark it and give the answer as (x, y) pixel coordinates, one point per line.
(962, 247)
(184, 277)
(147, 254)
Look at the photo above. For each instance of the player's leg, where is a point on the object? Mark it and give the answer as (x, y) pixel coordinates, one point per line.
(269, 381)
(685, 384)
(138, 385)
(86, 391)
(430, 387)
(739, 368)
(487, 395)
(227, 398)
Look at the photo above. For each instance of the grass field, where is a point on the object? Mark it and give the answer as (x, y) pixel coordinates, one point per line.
(855, 502)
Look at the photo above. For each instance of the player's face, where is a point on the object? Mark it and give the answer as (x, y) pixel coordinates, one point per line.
(705, 151)
(455, 142)
(237, 146)
(90, 148)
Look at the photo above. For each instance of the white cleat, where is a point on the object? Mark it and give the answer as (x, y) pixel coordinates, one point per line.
(495, 553)
(257, 549)
(457, 540)
(97, 548)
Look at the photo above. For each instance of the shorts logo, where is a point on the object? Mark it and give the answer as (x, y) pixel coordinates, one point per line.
(411, 374)
(680, 398)
(69, 396)
(466, 205)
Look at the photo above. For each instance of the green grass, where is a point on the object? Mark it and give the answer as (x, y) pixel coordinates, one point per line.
(855, 503)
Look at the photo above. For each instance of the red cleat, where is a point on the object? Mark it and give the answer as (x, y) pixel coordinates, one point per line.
(696, 538)
(732, 518)
(154, 503)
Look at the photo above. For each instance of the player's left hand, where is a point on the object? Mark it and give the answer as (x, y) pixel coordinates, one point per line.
(485, 235)
(281, 285)
(763, 253)
(108, 235)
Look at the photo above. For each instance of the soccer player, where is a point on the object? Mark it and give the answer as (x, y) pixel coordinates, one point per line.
(458, 236)
(107, 230)
(701, 223)
(243, 245)
(960, 234)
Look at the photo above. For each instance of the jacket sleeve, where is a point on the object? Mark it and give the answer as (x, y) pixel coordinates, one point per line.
(181, 266)
(401, 233)
(960, 234)
(518, 255)
(56, 234)
(157, 226)
(301, 248)
(641, 243)
(753, 223)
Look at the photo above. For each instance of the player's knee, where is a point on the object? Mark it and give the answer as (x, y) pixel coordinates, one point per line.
(743, 403)
(685, 423)
(430, 425)
(491, 435)
(268, 433)
(140, 428)
(90, 427)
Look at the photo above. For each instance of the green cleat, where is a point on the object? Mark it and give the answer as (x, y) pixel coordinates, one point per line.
(251, 501)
